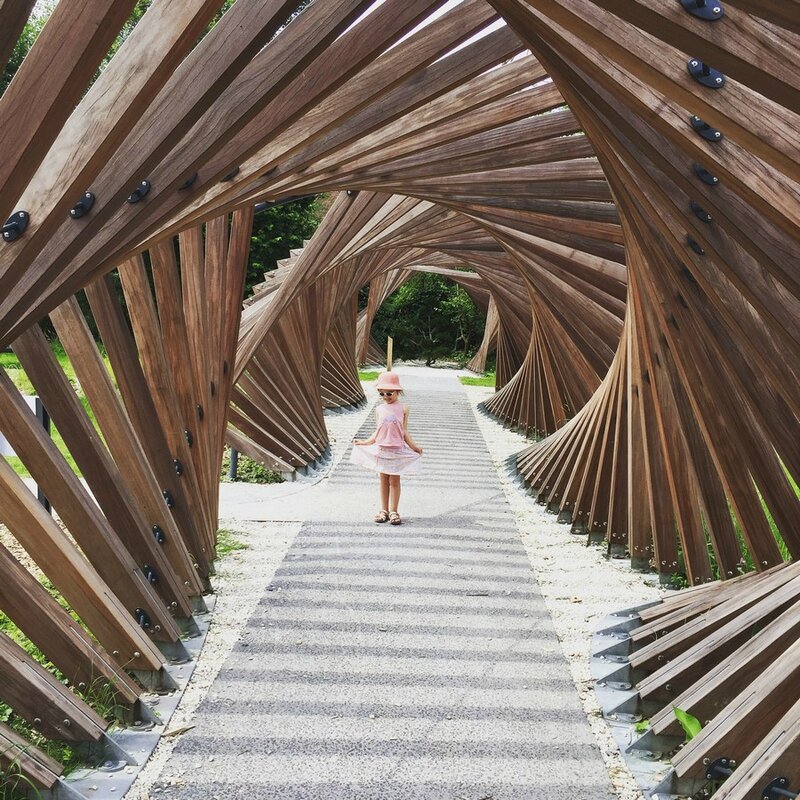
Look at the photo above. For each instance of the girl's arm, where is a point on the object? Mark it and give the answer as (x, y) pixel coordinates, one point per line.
(407, 436)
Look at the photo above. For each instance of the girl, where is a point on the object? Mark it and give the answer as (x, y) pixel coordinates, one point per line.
(390, 451)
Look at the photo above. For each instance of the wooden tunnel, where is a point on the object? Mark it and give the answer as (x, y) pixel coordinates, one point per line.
(614, 183)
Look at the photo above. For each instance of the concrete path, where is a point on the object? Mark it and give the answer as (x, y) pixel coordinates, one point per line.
(384, 663)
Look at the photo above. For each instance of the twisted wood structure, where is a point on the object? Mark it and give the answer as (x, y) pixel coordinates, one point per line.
(616, 182)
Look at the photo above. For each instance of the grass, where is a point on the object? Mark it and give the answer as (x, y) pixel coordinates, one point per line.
(368, 375)
(227, 543)
(13, 368)
(248, 470)
(487, 379)
(99, 695)
(13, 784)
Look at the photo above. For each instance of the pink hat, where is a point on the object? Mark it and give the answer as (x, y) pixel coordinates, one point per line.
(389, 380)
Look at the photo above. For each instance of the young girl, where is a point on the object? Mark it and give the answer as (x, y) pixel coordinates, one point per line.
(390, 451)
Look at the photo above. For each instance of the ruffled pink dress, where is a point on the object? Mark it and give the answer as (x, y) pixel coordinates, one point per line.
(390, 454)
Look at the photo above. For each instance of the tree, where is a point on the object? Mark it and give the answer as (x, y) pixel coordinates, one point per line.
(432, 318)
(32, 29)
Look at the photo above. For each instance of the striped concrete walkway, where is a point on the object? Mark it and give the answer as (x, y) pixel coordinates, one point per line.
(383, 663)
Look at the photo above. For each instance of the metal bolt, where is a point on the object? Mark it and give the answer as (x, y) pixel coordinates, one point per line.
(137, 654)
(717, 80)
(115, 653)
(37, 721)
(716, 134)
(67, 723)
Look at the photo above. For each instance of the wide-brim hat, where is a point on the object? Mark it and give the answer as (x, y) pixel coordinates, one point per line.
(389, 380)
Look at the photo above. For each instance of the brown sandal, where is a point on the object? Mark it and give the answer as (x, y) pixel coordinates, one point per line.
(383, 516)
(394, 518)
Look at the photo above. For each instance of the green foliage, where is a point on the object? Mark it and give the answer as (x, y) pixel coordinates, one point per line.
(691, 725)
(678, 580)
(432, 318)
(487, 379)
(99, 694)
(369, 375)
(11, 364)
(642, 726)
(228, 543)
(13, 784)
(32, 29)
(249, 471)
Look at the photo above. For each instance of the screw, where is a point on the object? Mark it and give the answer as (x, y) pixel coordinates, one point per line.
(717, 80)
(716, 134)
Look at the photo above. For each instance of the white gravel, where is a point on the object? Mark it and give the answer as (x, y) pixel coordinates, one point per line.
(561, 562)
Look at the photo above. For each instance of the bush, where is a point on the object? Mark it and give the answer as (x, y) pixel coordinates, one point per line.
(249, 471)
(430, 317)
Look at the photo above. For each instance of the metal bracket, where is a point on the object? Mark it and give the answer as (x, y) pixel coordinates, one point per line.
(139, 192)
(705, 175)
(178, 467)
(189, 438)
(200, 412)
(15, 225)
(709, 10)
(150, 573)
(142, 618)
(702, 73)
(83, 206)
(230, 176)
(188, 183)
(352, 192)
(700, 212)
(705, 130)
(719, 769)
(776, 789)
(159, 534)
(695, 245)
(168, 499)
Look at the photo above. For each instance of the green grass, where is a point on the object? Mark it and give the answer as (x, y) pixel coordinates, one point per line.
(228, 543)
(248, 470)
(487, 379)
(369, 375)
(13, 368)
(99, 695)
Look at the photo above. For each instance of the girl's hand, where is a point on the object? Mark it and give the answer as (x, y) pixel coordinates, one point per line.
(418, 449)
(358, 442)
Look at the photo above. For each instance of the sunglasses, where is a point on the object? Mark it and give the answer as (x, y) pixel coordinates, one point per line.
(385, 394)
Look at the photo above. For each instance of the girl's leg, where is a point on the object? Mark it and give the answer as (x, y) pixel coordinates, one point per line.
(394, 492)
(384, 491)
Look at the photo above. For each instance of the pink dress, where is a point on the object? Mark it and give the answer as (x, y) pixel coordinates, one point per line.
(390, 454)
